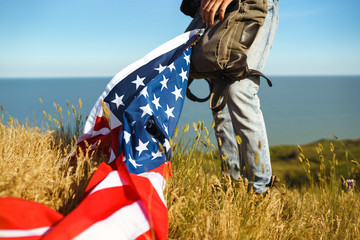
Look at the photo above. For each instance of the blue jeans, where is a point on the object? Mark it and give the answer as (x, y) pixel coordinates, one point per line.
(242, 116)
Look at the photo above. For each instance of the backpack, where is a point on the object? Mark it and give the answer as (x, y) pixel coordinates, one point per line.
(219, 55)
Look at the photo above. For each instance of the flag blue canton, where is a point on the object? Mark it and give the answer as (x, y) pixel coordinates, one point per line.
(149, 103)
(123, 93)
(152, 116)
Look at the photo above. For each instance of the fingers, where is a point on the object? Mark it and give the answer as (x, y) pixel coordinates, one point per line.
(223, 8)
(205, 11)
(208, 9)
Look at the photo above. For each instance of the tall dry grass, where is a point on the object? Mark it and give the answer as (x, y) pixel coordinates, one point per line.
(202, 204)
(33, 166)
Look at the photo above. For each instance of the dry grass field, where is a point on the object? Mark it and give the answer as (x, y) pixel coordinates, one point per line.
(202, 204)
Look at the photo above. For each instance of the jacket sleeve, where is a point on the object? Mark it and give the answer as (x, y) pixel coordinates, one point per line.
(189, 7)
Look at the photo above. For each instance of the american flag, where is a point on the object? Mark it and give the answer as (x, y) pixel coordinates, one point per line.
(132, 122)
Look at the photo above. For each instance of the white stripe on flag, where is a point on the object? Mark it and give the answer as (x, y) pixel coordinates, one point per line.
(13, 233)
(127, 223)
(158, 181)
(112, 180)
(102, 131)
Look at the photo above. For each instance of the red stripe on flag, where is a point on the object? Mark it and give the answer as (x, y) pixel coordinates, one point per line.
(21, 238)
(164, 169)
(115, 135)
(155, 207)
(16, 213)
(101, 122)
(94, 208)
(100, 174)
(146, 236)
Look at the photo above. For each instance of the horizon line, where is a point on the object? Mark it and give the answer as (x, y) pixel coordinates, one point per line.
(111, 76)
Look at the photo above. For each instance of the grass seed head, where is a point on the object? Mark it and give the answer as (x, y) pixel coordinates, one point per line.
(195, 126)
(355, 162)
(161, 148)
(206, 131)
(106, 111)
(176, 131)
(80, 103)
(186, 128)
(256, 160)
(238, 139)
(73, 109)
(321, 148)
(332, 147)
(300, 149)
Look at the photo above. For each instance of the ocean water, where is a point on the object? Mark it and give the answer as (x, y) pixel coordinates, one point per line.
(297, 110)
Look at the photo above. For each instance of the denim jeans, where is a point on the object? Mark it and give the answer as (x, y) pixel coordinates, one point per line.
(243, 117)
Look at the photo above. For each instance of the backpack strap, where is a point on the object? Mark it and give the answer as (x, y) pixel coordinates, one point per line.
(194, 98)
(220, 93)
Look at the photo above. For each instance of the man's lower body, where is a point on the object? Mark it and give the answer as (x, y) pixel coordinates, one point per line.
(242, 116)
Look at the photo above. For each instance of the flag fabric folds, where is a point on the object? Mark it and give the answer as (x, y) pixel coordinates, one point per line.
(23, 219)
(132, 123)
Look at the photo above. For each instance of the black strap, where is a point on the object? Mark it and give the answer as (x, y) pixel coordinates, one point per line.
(194, 98)
(219, 93)
(253, 72)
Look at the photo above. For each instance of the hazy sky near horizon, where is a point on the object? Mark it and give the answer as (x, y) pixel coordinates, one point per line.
(54, 38)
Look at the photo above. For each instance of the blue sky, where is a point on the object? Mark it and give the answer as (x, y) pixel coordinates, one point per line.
(42, 38)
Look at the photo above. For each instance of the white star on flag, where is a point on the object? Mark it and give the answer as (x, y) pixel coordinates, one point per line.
(156, 155)
(160, 68)
(156, 102)
(166, 128)
(172, 67)
(118, 100)
(164, 82)
(183, 75)
(139, 81)
(187, 58)
(177, 93)
(146, 110)
(142, 147)
(133, 162)
(169, 111)
(166, 145)
(127, 136)
(144, 92)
